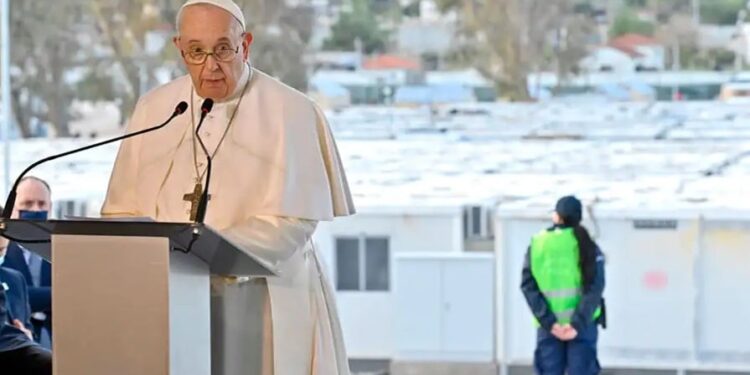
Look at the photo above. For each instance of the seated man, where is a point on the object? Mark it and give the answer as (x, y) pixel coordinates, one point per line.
(19, 354)
(34, 201)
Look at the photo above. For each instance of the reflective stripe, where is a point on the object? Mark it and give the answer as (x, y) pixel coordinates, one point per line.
(565, 315)
(563, 293)
(554, 261)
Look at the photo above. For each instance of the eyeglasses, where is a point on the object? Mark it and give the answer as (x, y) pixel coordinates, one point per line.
(222, 53)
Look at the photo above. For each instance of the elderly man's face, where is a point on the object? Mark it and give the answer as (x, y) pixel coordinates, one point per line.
(210, 29)
(31, 195)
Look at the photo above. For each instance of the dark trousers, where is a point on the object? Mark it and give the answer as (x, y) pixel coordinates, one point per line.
(31, 360)
(576, 357)
(43, 332)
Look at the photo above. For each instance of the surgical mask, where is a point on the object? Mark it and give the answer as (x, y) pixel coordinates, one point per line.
(32, 215)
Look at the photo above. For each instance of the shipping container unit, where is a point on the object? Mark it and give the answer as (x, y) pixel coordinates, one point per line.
(675, 286)
(408, 279)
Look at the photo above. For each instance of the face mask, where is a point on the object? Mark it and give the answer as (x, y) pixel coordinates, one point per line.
(32, 215)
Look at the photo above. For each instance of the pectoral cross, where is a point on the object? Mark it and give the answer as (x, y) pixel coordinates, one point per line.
(194, 198)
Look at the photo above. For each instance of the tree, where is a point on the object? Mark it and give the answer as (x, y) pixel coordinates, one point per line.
(636, 3)
(721, 12)
(680, 33)
(357, 24)
(627, 22)
(281, 36)
(412, 9)
(109, 50)
(508, 39)
(123, 27)
(44, 47)
(573, 44)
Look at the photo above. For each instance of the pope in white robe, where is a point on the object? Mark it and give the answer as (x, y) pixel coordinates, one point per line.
(276, 173)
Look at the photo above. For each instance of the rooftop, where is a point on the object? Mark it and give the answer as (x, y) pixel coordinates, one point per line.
(689, 157)
(628, 43)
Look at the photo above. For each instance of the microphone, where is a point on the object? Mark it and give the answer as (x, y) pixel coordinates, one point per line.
(200, 215)
(11, 201)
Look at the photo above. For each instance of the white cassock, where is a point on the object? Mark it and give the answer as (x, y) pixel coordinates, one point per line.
(275, 175)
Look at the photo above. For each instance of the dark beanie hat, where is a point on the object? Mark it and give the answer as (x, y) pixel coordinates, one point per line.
(570, 210)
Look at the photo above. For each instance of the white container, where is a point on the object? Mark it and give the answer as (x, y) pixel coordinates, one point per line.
(444, 308)
(675, 288)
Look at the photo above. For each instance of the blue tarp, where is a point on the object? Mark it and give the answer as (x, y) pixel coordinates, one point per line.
(330, 89)
(614, 91)
(642, 88)
(626, 90)
(434, 94)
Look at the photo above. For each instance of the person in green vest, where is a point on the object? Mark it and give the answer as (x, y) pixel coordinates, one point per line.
(563, 282)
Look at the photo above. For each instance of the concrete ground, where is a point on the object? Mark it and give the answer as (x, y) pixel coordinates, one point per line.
(385, 367)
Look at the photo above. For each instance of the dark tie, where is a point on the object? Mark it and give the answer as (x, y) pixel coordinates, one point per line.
(35, 268)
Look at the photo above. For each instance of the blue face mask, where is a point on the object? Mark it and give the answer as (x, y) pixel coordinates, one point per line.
(32, 215)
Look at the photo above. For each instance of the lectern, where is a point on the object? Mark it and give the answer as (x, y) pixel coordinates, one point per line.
(132, 297)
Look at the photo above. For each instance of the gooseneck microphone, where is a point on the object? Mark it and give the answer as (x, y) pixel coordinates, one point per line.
(200, 215)
(11, 201)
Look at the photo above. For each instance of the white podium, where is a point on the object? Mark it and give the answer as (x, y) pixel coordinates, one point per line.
(132, 298)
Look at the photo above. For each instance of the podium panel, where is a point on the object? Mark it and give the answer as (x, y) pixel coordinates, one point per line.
(189, 315)
(133, 297)
(111, 304)
(127, 305)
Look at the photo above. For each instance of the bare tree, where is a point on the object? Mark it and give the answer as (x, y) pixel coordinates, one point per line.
(679, 32)
(281, 37)
(123, 27)
(45, 45)
(574, 36)
(508, 39)
(110, 49)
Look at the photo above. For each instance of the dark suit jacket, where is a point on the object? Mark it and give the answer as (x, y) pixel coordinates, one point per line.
(14, 304)
(40, 297)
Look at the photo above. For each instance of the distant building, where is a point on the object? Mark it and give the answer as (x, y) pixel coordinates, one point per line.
(692, 85)
(433, 95)
(608, 59)
(393, 79)
(336, 60)
(330, 95)
(716, 36)
(482, 88)
(363, 88)
(373, 81)
(646, 52)
(429, 33)
(627, 91)
(391, 62)
(418, 36)
(625, 54)
(740, 42)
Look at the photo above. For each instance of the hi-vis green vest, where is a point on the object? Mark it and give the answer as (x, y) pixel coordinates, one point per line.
(554, 265)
